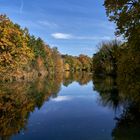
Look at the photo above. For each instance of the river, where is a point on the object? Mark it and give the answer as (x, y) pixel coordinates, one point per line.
(68, 107)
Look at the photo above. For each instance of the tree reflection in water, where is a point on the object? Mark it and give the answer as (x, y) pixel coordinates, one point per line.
(19, 99)
(116, 93)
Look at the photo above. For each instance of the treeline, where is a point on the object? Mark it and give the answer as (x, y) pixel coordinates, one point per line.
(121, 59)
(117, 59)
(80, 63)
(23, 56)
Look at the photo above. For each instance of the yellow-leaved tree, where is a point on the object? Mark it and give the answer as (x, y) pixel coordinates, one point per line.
(14, 52)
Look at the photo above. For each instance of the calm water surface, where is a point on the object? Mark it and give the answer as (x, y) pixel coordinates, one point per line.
(72, 109)
(75, 114)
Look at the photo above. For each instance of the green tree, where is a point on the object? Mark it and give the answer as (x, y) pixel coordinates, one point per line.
(105, 61)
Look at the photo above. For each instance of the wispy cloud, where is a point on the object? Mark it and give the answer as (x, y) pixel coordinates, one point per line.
(65, 36)
(21, 7)
(47, 23)
(92, 37)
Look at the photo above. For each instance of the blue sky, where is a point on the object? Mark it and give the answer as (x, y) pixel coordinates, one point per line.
(74, 26)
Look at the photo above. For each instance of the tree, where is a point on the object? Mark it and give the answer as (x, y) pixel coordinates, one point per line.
(14, 52)
(85, 61)
(126, 15)
(57, 60)
(105, 61)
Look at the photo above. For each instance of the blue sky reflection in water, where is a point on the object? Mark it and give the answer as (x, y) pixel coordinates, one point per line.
(74, 26)
(75, 114)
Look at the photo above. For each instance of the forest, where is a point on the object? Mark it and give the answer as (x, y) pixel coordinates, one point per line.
(121, 59)
(25, 57)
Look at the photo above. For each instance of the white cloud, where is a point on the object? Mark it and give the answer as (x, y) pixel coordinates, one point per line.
(61, 98)
(61, 36)
(70, 36)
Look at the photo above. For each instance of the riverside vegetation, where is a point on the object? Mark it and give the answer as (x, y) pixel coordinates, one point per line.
(23, 56)
(117, 65)
(117, 59)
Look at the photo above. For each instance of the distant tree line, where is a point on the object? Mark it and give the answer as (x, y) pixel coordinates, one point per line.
(80, 63)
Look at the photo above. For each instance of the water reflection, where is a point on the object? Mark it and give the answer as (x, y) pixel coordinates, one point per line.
(108, 90)
(115, 94)
(82, 78)
(19, 100)
(128, 124)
